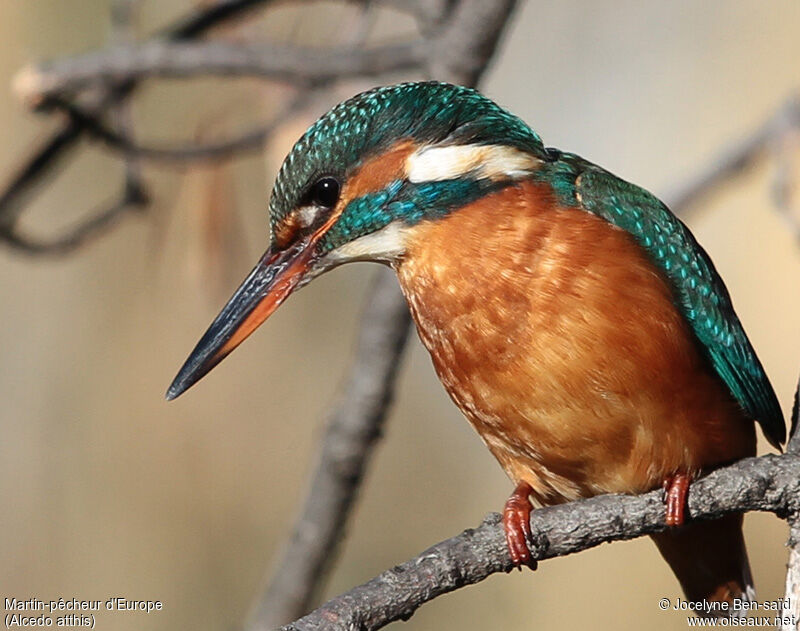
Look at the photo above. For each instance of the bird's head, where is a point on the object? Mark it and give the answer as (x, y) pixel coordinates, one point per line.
(356, 184)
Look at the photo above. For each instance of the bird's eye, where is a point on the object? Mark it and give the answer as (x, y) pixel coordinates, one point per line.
(325, 192)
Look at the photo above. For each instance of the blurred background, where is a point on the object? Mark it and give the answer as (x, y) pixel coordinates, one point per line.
(108, 490)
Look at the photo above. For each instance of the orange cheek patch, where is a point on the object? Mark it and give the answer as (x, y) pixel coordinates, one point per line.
(377, 172)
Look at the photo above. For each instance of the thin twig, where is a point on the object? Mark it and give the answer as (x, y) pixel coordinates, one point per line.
(785, 148)
(251, 140)
(94, 226)
(770, 483)
(463, 51)
(50, 153)
(133, 193)
(209, 16)
(123, 32)
(179, 60)
(736, 159)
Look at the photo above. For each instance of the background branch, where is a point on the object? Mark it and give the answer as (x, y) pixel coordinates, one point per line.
(735, 160)
(51, 153)
(95, 225)
(251, 140)
(181, 60)
(350, 435)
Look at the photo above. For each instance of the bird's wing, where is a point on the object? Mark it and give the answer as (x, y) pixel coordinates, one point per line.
(700, 293)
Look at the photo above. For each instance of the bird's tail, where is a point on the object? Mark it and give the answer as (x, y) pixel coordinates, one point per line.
(709, 559)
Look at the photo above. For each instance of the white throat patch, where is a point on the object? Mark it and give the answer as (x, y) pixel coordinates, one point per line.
(483, 161)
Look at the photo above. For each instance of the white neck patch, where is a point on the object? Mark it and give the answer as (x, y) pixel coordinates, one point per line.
(483, 161)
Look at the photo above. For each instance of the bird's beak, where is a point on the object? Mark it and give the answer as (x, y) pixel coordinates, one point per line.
(275, 276)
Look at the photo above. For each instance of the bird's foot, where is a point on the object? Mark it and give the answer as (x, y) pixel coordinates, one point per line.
(676, 488)
(517, 526)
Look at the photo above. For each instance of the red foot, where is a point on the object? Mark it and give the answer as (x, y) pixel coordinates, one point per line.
(676, 488)
(517, 526)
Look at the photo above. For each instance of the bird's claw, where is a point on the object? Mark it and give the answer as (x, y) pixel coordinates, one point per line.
(676, 489)
(517, 526)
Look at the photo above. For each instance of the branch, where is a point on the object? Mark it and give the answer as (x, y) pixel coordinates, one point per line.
(38, 84)
(123, 13)
(770, 483)
(738, 158)
(252, 140)
(463, 51)
(49, 154)
(209, 16)
(132, 197)
(352, 431)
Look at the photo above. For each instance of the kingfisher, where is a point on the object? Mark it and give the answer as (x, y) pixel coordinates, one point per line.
(573, 319)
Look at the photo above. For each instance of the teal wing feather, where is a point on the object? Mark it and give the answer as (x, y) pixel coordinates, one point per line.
(700, 293)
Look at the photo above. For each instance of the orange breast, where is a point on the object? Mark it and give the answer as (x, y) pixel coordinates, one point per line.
(560, 342)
